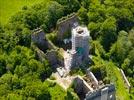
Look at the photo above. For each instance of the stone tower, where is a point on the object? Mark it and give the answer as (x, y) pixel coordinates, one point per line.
(79, 53)
(80, 42)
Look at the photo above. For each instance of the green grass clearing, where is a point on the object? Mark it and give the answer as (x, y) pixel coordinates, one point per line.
(10, 7)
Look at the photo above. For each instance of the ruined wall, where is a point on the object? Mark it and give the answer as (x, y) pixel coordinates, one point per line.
(92, 77)
(78, 85)
(65, 24)
(81, 87)
(38, 38)
(39, 53)
(53, 57)
(102, 93)
(125, 80)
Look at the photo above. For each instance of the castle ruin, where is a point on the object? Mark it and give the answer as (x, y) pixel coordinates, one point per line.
(87, 87)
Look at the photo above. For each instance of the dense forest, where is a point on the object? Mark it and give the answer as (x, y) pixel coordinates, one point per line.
(111, 24)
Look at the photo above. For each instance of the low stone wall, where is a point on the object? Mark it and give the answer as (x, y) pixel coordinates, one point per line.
(92, 77)
(125, 80)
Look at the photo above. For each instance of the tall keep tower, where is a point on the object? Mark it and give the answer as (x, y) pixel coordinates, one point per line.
(79, 53)
(80, 42)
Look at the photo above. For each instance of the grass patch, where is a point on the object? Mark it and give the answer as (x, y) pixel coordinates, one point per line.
(10, 7)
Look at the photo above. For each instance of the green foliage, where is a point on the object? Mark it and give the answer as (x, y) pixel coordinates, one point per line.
(77, 71)
(70, 5)
(13, 96)
(131, 36)
(94, 29)
(71, 95)
(45, 15)
(108, 28)
(56, 92)
(2, 64)
(50, 15)
(110, 23)
(120, 49)
(128, 64)
(97, 49)
(36, 90)
(85, 3)
(110, 74)
(82, 13)
(52, 37)
(107, 17)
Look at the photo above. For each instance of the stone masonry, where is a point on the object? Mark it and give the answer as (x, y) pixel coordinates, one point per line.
(65, 25)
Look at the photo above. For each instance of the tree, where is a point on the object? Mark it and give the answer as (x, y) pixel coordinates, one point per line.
(94, 29)
(70, 5)
(36, 90)
(120, 49)
(98, 49)
(82, 13)
(21, 70)
(125, 64)
(2, 64)
(85, 3)
(108, 30)
(13, 96)
(131, 57)
(50, 14)
(31, 20)
(131, 36)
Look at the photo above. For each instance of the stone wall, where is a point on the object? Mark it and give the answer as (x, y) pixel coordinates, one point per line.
(52, 57)
(92, 77)
(86, 92)
(81, 87)
(105, 93)
(39, 53)
(65, 24)
(38, 38)
(125, 80)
